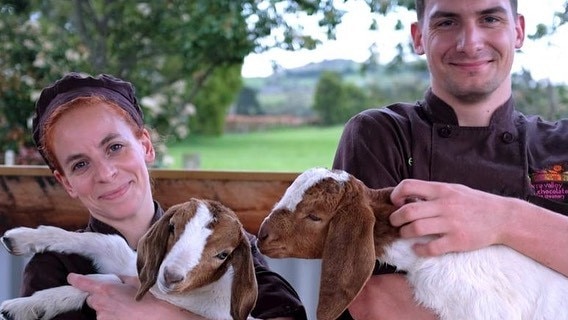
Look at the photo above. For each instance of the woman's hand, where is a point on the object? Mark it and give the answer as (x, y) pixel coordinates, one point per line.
(115, 301)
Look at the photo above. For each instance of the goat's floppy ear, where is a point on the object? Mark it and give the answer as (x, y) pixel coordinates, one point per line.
(244, 288)
(348, 256)
(151, 251)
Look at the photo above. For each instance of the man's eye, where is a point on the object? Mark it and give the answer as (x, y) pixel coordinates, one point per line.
(445, 23)
(116, 147)
(490, 19)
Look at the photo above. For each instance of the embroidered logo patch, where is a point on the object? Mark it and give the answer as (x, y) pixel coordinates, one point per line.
(551, 183)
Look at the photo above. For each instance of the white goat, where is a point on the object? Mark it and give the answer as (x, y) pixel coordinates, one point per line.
(333, 216)
(196, 256)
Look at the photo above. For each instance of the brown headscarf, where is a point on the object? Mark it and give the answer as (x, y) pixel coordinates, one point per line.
(74, 85)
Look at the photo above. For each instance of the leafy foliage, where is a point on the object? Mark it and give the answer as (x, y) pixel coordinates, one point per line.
(182, 56)
(169, 49)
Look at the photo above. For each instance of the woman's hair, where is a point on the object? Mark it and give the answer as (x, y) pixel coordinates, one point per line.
(47, 140)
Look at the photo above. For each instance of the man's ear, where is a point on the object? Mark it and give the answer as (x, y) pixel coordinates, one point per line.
(65, 183)
(149, 151)
(520, 28)
(416, 33)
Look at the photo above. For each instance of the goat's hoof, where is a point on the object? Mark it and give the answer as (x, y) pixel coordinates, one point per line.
(15, 309)
(23, 241)
(7, 242)
(5, 315)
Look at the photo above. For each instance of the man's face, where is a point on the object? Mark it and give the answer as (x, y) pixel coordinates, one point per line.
(469, 45)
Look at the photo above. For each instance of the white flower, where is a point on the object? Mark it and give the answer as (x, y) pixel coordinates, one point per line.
(144, 9)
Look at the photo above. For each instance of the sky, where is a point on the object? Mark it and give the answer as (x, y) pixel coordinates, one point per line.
(541, 57)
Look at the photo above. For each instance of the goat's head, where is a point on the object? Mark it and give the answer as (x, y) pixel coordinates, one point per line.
(194, 244)
(329, 215)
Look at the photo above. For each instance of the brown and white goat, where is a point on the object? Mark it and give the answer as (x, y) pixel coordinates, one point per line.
(333, 216)
(197, 256)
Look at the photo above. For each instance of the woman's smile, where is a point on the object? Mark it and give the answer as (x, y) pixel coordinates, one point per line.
(116, 193)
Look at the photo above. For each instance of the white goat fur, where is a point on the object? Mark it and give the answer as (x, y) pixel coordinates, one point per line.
(176, 262)
(330, 210)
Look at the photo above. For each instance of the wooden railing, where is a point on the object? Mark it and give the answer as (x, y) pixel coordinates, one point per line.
(30, 195)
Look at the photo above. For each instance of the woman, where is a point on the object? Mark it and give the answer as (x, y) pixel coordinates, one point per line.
(90, 132)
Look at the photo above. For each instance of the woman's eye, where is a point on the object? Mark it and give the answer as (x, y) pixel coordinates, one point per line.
(79, 165)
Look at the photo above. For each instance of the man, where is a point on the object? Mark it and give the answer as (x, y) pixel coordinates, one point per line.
(488, 174)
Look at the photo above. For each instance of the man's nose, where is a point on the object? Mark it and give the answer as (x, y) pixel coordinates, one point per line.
(470, 39)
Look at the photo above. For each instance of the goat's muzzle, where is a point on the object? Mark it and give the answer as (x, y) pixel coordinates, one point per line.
(172, 277)
(267, 242)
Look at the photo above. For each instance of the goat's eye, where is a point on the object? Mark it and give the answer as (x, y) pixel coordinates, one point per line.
(313, 217)
(171, 227)
(222, 256)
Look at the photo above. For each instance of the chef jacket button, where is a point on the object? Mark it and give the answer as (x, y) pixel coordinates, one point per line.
(445, 132)
(507, 137)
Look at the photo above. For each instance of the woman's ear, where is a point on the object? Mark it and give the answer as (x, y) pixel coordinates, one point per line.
(149, 151)
(65, 183)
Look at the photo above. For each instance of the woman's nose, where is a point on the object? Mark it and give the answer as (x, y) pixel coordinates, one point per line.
(106, 170)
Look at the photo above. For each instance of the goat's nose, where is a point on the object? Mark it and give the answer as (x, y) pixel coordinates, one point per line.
(263, 232)
(172, 276)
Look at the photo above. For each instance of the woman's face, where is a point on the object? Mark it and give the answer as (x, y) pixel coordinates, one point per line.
(103, 162)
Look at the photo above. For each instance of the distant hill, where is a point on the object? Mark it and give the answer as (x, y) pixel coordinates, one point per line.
(290, 91)
(313, 69)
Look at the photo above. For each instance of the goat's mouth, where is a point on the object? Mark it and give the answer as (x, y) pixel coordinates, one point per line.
(274, 251)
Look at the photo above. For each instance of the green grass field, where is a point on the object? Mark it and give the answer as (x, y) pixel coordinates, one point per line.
(282, 150)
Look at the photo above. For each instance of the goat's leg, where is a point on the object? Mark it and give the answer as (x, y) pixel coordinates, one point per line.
(110, 253)
(44, 304)
(48, 303)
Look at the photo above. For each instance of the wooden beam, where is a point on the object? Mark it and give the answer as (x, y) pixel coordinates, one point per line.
(30, 195)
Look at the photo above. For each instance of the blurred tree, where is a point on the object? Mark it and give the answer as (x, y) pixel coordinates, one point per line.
(247, 102)
(328, 98)
(540, 97)
(211, 109)
(170, 49)
(335, 101)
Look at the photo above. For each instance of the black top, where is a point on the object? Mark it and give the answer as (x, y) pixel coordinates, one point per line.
(515, 155)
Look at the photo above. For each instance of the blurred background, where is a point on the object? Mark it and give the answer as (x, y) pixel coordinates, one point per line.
(211, 74)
